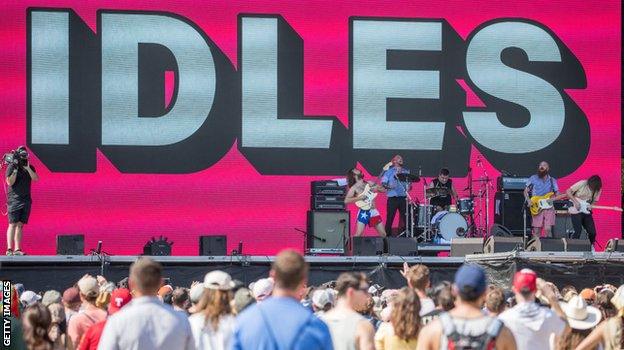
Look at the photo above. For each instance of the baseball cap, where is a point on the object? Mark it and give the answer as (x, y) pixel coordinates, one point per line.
(51, 297)
(322, 297)
(525, 280)
(196, 292)
(71, 296)
(242, 299)
(588, 294)
(218, 280)
(470, 280)
(29, 298)
(262, 288)
(119, 298)
(88, 286)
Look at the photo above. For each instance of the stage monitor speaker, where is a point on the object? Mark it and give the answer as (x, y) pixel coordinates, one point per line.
(466, 246)
(576, 245)
(70, 245)
(508, 208)
(327, 231)
(614, 245)
(497, 244)
(545, 245)
(367, 246)
(213, 245)
(500, 231)
(402, 246)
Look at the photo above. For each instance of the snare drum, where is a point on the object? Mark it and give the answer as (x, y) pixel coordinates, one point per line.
(450, 225)
(466, 206)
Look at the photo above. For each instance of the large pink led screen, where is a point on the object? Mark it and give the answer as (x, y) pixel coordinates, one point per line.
(188, 118)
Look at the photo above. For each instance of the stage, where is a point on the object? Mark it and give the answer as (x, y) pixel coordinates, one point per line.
(581, 269)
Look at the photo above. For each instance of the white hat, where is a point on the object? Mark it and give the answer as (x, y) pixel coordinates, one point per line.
(322, 297)
(88, 286)
(29, 297)
(262, 288)
(218, 280)
(196, 292)
(618, 299)
(580, 316)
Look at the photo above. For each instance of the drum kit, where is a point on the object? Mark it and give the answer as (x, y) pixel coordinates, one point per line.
(469, 217)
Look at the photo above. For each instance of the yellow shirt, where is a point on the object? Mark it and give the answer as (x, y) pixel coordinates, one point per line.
(385, 339)
(582, 191)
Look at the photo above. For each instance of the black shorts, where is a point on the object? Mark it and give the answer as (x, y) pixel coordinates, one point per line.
(19, 213)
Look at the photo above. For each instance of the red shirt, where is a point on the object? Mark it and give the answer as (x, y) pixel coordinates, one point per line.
(91, 338)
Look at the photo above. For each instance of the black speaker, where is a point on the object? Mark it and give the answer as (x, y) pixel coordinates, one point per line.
(213, 245)
(466, 246)
(367, 246)
(614, 245)
(70, 245)
(576, 245)
(546, 245)
(563, 227)
(327, 230)
(495, 244)
(402, 246)
(508, 211)
(500, 231)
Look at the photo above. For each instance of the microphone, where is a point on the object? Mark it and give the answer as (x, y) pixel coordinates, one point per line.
(240, 248)
(99, 248)
(419, 171)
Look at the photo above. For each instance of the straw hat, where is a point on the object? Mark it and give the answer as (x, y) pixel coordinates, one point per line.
(580, 316)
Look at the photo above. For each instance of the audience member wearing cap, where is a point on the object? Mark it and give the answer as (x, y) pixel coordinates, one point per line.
(322, 301)
(90, 314)
(262, 289)
(118, 298)
(401, 332)
(531, 324)
(71, 301)
(145, 322)
(281, 322)
(608, 333)
(581, 321)
(195, 295)
(467, 315)
(242, 299)
(51, 297)
(58, 327)
(29, 298)
(213, 327)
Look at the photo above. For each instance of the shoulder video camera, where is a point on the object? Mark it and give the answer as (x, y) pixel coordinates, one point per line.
(17, 157)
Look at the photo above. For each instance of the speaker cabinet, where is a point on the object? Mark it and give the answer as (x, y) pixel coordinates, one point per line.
(545, 245)
(508, 208)
(70, 245)
(563, 227)
(367, 246)
(495, 244)
(213, 245)
(327, 231)
(614, 245)
(402, 246)
(466, 246)
(576, 245)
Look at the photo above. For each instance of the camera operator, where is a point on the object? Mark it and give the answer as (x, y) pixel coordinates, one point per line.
(19, 175)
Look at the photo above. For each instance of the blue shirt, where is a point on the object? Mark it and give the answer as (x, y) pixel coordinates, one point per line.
(540, 187)
(280, 323)
(395, 187)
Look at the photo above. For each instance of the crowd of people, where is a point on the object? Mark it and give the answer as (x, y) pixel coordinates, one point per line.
(281, 311)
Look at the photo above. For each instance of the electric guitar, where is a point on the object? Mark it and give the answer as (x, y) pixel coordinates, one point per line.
(584, 207)
(366, 203)
(539, 203)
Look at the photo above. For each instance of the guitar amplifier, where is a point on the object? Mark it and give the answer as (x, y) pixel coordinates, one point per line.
(328, 188)
(320, 202)
(512, 183)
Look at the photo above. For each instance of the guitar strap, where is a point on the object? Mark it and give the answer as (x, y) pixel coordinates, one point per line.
(552, 186)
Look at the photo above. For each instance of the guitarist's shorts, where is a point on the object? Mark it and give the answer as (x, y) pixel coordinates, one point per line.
(369, 217)
(544, 218)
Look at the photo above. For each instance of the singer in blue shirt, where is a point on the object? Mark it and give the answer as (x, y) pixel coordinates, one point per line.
(396, 194)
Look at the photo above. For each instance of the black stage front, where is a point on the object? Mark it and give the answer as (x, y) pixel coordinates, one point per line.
(581, 269)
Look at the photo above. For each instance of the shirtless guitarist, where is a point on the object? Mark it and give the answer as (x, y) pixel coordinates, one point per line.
(363, 193)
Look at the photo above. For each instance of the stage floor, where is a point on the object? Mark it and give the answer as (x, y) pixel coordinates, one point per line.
(581, 269)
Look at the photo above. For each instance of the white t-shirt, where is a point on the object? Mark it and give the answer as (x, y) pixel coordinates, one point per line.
(426, 306)
(532, 325)
(206, 338)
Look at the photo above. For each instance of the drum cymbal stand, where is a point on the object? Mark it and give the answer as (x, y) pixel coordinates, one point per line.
(409, 210)
(487, 183)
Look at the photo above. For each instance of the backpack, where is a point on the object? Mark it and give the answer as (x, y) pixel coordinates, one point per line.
(457, 341)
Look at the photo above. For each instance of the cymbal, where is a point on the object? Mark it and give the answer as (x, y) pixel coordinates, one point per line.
(436, 191)
(408, 177)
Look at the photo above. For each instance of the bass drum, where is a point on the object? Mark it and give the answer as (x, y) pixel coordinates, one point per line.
(451, 225)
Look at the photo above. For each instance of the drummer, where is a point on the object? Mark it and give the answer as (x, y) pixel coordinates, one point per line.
(447, 191)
